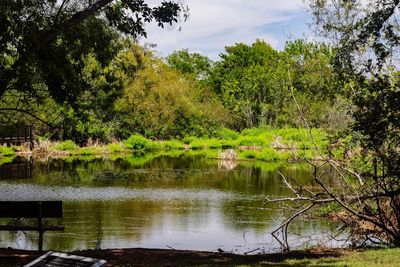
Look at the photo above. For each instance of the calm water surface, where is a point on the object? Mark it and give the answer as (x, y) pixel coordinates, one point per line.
(181, 202)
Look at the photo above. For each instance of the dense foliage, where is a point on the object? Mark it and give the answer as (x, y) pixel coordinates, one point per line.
(189, 95)
(367, 38)
(44, 45)
(74, 69)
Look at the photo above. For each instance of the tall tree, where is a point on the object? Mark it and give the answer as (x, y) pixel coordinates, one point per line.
(45, 42)
(190, 63)
(246, 82)
(367, 37)
(160, 102)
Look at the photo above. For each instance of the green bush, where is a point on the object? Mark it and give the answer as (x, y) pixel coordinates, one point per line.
(172, 144)
(214, 143)
(93, 150)
(6, 159)
(249, 154)
(67, 145)
(7, 151)
(197, 144)
(252, 141)
(189, 139)
(138, 142)
(303, 138)
(115, 148)
(227, 134)
(228, 143)
(205, 143)
(255, 131)
(269, 154)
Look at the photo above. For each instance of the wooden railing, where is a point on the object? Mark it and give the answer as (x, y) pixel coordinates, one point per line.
(16, 135)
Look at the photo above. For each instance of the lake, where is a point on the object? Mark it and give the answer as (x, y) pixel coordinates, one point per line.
(180, 201)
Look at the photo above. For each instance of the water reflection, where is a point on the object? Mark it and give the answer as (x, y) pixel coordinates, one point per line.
(184, 202)
(19, 168)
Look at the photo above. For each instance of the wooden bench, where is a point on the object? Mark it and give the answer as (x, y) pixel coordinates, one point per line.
(31, 209)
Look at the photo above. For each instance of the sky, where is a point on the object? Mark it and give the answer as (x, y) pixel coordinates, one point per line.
(214, 24)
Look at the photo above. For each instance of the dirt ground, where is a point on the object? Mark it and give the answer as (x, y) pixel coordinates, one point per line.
(164, 257)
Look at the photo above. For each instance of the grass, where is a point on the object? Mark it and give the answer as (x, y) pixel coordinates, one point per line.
(138, 142)
(6, 159)
(7, 151)
(172, 145)
(90, 150)
(67, 145)
(383, 257)
(115, 148)
(203, 143)
(263, 143)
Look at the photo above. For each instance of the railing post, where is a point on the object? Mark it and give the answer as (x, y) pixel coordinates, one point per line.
(18, 135)
(30, 136)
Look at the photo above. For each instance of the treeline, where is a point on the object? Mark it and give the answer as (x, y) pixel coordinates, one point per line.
(186, 94)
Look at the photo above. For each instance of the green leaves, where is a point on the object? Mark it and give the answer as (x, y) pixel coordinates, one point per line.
(255, 82)
(47, 41)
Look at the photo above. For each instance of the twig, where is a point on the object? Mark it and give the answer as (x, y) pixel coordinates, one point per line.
(251, 251)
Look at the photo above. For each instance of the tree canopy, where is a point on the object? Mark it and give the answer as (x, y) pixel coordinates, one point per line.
(43, 44)
(367, 38)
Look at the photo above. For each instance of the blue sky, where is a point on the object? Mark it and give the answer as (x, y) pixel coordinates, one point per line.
(214, 24)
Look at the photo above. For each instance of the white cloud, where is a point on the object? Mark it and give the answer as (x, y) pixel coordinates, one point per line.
(214, 24)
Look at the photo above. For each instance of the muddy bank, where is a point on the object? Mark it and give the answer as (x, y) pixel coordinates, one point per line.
(169, 257)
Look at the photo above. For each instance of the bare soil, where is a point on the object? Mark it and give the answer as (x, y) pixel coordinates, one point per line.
(169, 257)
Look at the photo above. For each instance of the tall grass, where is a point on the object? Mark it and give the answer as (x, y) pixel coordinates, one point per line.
(67, 145)
(7, 151)
(139, 142)
(172, 145)
(265, 144)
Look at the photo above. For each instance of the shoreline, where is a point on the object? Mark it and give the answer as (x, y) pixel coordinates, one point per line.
(172, 257)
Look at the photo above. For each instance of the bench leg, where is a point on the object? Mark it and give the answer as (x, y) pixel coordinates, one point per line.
(40, 241)
(40, 224)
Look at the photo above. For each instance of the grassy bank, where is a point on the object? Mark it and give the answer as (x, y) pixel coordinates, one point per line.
(384, 257)
(265, 144)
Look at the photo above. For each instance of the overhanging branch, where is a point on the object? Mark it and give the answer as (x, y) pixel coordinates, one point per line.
(28, 113)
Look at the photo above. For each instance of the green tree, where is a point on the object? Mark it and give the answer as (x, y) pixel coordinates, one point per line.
(190, 63)
(314, 84)
(366, 36)
(93, 115)
(257, 83)
(246, 81)
(46, 42)
(160, 103)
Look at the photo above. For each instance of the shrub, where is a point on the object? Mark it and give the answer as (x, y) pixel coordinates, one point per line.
(228, 143)
(172, 144)
(189, 139)
(115, 148)
(197, 143)
(138, 142)
(205, 143)
(227, 134)
(7, 151)
(255, 131)
(270, 154)
(7, 159)
(67, 145)
(213, 143)
(90, 150)
(249, 154)
(251, 141)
